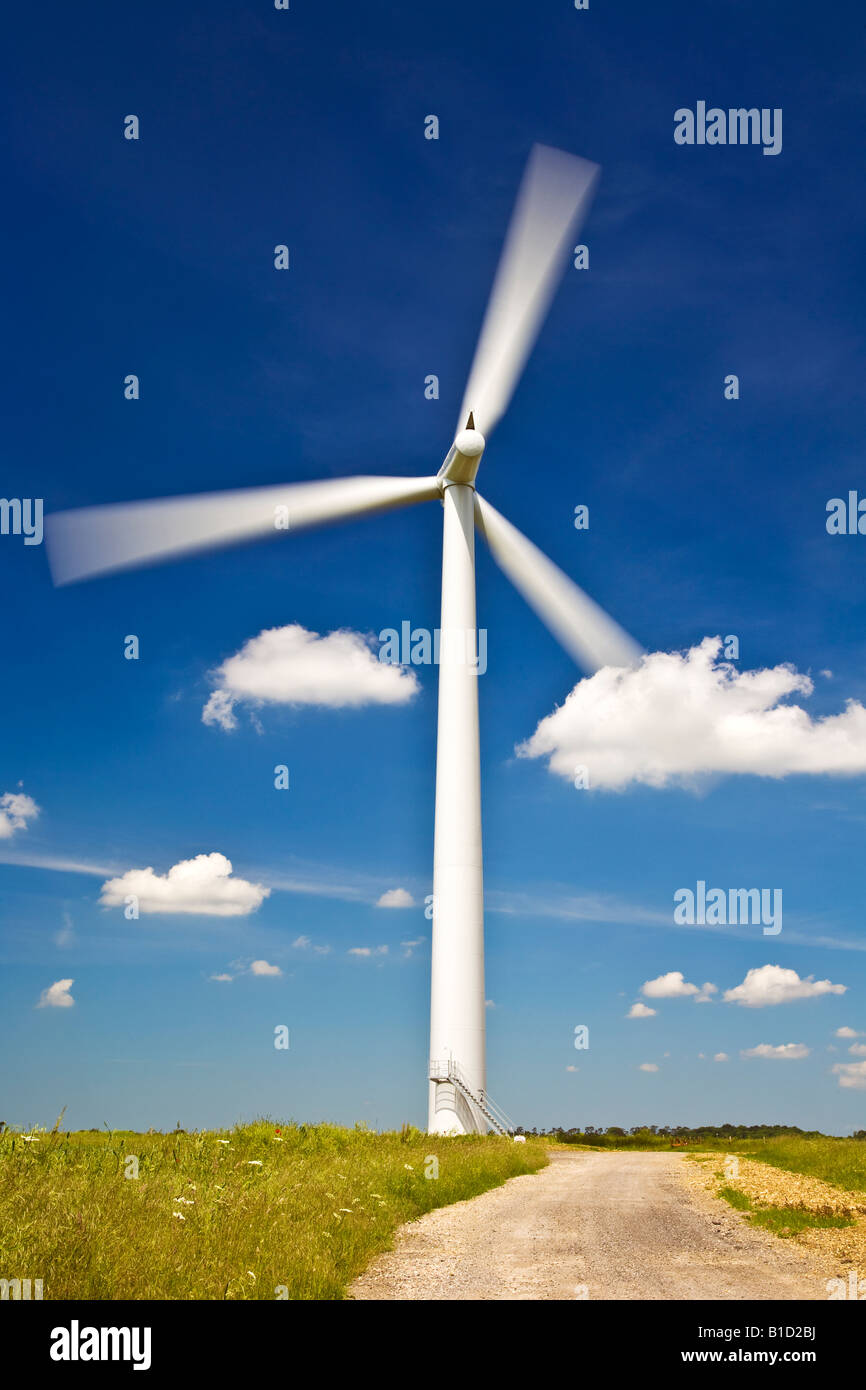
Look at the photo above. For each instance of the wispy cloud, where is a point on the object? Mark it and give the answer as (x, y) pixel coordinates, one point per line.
(56, 863)
(783, 1052)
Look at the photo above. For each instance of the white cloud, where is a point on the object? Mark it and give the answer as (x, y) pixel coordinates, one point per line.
(705, 993)
(489, 1004)
(57, 996)
(773, 984)
(572, 1068)
(641, 1011)
(857, 1049)
(674, 986)
(846, 1033)
(261, 967)
(409, 947)
(201, 886)
(679, 715)
(648, 1066)
(396, 897)
(291, 666)
(367, 951)
(16, 810)
(222, 979)
(721, 1057)
(66, 935)
(785, 1052)
(852, 1075)
(306, 943)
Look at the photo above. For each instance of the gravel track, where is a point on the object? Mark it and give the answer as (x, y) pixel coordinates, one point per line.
(591, 1225)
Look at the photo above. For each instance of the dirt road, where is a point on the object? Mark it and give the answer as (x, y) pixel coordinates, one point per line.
(591, 1225)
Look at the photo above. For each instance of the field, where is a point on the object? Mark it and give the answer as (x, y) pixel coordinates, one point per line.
(841, 1162)
(262, 1211)
(269, 1211)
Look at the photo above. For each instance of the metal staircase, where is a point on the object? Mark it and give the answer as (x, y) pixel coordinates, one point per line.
(495, 1116)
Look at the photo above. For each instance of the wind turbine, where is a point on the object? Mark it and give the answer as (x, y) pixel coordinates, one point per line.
(555, 194)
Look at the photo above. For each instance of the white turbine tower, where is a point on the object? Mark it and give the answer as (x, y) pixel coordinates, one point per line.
(555, 194)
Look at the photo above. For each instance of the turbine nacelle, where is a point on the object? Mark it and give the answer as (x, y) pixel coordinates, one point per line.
(464, 456)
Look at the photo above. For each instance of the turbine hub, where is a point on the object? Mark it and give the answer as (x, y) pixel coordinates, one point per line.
(470, 443)
(463, 459)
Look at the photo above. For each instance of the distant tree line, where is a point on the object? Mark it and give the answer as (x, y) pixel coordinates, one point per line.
(649, 1134)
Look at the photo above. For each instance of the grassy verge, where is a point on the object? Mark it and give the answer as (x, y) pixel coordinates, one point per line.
(781, 1221)
(263, 1211)
(841, 1162)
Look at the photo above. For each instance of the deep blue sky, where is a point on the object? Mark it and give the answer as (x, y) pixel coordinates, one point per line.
(306, 127)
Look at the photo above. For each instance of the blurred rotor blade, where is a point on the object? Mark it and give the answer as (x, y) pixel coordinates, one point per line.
(98, 540)
(554, 198)
(583, 628)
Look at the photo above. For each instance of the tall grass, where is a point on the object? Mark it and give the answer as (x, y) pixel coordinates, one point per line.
(841, 1162)
(259, 1212)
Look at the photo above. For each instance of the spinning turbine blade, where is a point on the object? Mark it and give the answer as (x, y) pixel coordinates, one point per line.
(98, 540)
(583, 628)
(554, 197)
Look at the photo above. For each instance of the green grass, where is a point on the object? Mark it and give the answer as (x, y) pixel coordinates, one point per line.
(781, 1221)
(237, 1214)
(735, 1198)
(840, 1162)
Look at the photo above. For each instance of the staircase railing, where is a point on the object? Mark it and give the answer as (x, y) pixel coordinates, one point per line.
(448, 1070)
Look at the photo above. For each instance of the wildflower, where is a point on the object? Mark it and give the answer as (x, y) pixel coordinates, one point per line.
(377, 1194)
(30, 1138)
(252, 1276)
(254, 1162)
(180, 1216)
(347, 1210)
(224, 1141)
(408, 1167)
